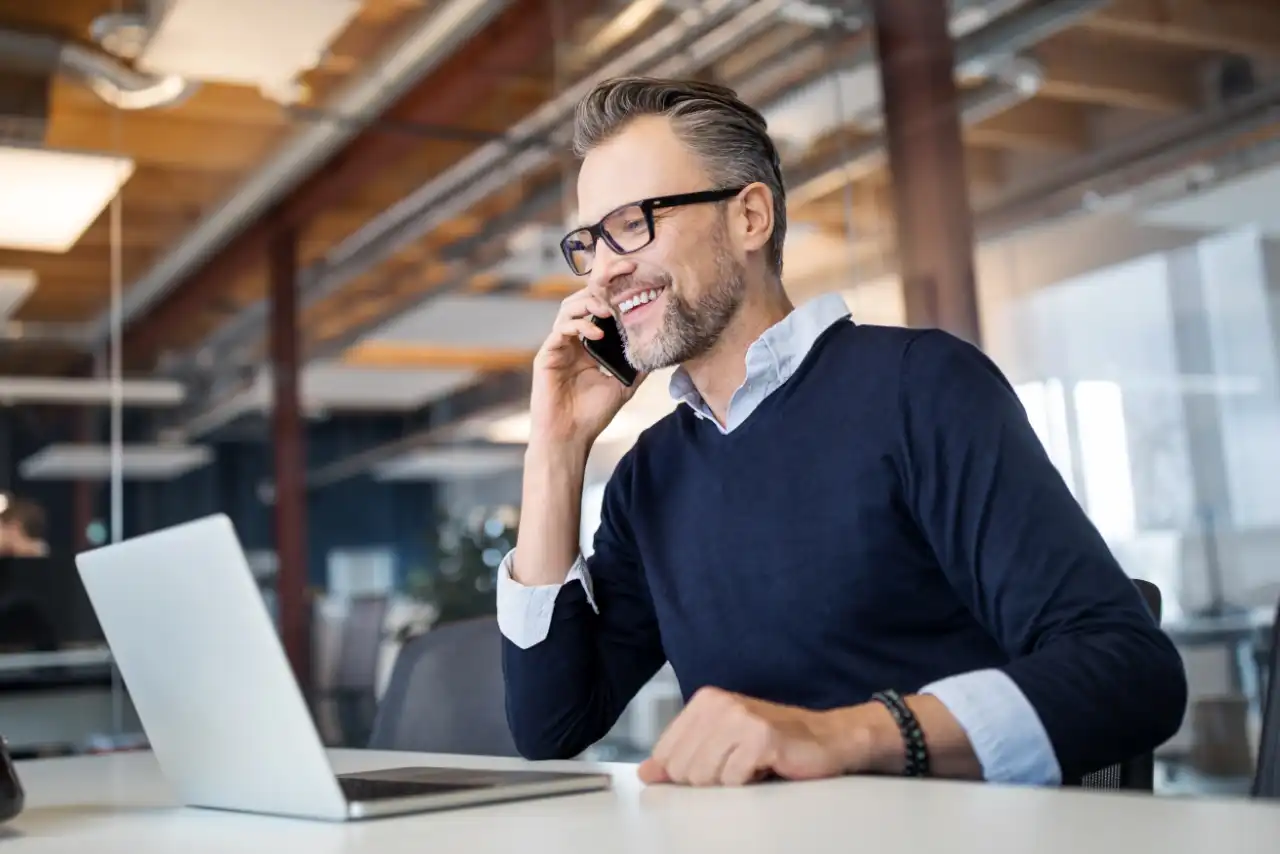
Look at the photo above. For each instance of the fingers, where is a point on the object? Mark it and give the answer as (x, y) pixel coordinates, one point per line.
(715, 740)
(577, 326)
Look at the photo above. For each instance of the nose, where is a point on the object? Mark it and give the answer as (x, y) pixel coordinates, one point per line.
(606, 267)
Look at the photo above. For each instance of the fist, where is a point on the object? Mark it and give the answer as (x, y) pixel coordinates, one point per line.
(722, 738)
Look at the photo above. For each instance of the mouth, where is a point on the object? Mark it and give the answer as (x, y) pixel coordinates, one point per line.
(639, 305)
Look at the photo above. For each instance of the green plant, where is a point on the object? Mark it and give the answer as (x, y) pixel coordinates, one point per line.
(468, 552)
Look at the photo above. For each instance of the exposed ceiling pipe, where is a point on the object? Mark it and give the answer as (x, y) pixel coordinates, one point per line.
(502, 162)
(110, 79)
(710, 41)
(1134, 160)
(423, 46)
(985, 49)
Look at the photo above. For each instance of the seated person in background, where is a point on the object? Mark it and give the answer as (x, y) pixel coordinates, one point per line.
(22, 529)
(847, 540)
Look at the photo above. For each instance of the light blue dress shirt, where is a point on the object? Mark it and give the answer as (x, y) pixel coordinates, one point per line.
(1002, 726)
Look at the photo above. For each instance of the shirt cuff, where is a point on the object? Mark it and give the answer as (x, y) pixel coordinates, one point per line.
(524, 613)
(1003, 728)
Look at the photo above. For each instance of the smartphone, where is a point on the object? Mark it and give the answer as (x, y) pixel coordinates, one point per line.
(609, 351)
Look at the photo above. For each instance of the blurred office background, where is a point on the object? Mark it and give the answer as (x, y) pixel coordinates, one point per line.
(288, 260)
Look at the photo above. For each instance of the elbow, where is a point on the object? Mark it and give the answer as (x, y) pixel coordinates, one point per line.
(1166, 676)
(538, 746)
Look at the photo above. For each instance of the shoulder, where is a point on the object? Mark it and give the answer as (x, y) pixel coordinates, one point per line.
(934, 361)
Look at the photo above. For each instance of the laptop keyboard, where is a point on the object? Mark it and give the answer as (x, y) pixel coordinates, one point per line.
(363, 789)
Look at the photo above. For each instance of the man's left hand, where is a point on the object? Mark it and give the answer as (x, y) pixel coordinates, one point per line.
(722, 738)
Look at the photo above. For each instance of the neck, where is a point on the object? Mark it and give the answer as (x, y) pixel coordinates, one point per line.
(719, 372)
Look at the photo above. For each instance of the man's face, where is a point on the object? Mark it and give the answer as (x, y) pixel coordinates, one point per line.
(691, 264)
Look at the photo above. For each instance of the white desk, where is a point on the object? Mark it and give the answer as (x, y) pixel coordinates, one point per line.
(119, 803)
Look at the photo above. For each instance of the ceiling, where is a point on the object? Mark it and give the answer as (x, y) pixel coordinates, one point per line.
(445, 302)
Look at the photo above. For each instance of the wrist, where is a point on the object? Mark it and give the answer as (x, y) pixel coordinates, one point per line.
(557, 455)
(866, 739)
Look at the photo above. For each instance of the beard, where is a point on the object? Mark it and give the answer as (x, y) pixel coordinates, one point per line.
(689, 330)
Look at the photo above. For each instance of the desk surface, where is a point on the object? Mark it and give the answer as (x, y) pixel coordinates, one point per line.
(119, 803)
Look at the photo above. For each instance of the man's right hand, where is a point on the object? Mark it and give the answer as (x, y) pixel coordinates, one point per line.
(573, 399)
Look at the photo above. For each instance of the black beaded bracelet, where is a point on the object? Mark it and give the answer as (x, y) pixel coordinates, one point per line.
(917, 752)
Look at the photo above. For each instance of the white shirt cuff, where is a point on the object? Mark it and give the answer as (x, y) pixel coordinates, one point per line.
(1003, 728)
(524, 613)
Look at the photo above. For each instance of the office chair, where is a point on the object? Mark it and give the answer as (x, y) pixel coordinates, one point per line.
(1266, 779)
(354, 688)
(446, 694)
(1138, 774)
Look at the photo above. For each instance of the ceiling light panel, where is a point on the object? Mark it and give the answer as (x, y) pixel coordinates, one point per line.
(48, 198)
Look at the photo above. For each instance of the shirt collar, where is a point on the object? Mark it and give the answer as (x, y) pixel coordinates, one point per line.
(774, 356)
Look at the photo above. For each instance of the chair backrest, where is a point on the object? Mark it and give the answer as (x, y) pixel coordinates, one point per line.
(1138, 774)
(362, 633)
(1266, 780)
(446, 694)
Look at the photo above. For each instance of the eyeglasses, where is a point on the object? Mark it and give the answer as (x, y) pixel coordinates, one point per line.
(629, 228)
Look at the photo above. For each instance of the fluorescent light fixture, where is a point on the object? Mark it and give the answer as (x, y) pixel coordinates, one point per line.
(48, 198)
(93, 462)
(71, 391)
(450, 463)
(15, 287)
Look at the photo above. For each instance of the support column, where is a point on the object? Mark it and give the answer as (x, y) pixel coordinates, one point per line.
(926, 161)
(289, 458)
(85, 491)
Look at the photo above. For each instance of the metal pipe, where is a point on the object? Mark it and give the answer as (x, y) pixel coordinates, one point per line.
(422, 48)
(1160, 149)
(111, 80)
(501, 163)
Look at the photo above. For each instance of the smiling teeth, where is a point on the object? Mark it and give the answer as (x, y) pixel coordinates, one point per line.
(639, 299)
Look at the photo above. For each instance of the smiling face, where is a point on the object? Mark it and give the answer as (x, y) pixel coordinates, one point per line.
(675, 296)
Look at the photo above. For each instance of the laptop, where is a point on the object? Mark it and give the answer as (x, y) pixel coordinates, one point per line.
(204, 667)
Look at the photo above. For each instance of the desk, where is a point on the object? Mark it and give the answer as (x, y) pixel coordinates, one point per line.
(118, 803)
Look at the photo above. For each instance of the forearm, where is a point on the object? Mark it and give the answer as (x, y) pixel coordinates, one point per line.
(869, 739)
(548, 542)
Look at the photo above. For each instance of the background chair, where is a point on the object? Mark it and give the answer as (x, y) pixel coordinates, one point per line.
(1266, 780)
(1138, 774)
(354, 688)
(446, 694)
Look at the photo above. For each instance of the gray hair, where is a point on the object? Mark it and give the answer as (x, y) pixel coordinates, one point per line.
(730, 137)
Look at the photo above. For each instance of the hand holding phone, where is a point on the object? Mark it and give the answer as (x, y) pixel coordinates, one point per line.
(609, 351)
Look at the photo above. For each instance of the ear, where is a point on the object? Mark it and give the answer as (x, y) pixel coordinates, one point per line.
(755, 218)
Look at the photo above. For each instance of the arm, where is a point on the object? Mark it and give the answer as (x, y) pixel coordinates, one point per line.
(1097, 675)
(574, 654)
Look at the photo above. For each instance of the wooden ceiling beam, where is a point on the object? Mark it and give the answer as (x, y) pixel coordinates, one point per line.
(1088, 76)
(1231, 26)
(430, 357)
(520, 37)
(1037, 125)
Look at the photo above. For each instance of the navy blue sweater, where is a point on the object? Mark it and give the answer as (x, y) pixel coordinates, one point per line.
(885, 519)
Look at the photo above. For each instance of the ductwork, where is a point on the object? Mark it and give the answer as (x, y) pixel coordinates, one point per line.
(422, 47)
(110, 79)
(986, 48)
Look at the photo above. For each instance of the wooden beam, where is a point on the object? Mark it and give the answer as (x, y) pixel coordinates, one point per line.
(157, 140)
(1037, 125)
(1085, 75)
(428, 357)
(1230, 26)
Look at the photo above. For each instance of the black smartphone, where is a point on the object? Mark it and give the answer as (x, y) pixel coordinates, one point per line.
(608, 351)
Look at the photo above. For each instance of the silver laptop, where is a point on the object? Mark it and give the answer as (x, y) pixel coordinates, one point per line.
(204, 667)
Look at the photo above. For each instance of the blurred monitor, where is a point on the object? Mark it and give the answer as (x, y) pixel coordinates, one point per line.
(43, 606)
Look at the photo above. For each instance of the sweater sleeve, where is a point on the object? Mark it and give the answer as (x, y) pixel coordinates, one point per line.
(565, 692)
(1106, 682)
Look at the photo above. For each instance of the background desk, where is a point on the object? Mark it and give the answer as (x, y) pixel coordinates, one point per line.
(119, 803)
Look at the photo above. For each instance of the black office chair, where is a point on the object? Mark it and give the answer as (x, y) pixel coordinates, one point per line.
(1266, 779)
(1138, 774)
(446, 694)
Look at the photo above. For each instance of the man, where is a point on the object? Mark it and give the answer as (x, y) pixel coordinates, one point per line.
(847, 541)
(22, 529)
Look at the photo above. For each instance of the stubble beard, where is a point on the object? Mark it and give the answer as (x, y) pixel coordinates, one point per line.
(689, 331)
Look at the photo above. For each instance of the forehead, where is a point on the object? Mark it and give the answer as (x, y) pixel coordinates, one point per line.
(646, 159)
